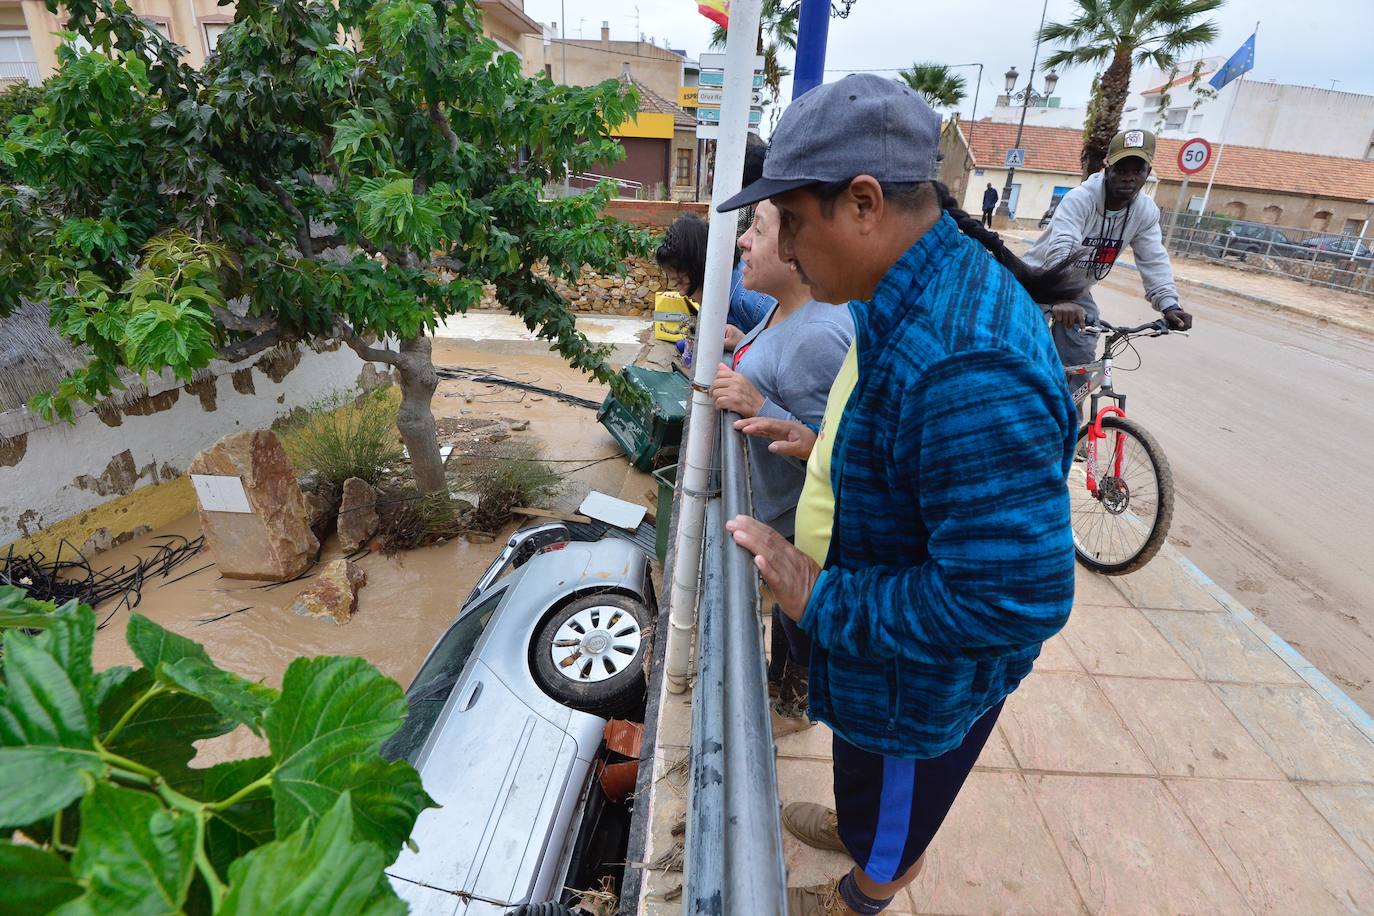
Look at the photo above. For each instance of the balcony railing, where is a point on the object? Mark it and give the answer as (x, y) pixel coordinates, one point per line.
(20, 70)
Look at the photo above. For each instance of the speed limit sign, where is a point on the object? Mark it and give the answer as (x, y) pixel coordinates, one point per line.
(1194, 155)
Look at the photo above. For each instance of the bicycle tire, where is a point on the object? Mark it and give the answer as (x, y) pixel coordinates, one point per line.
(1164, 513)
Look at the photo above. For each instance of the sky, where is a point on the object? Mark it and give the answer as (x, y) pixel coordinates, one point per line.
(1308, 43)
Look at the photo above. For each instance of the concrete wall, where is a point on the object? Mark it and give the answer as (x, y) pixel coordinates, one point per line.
(1293, 210)
(1303, 119)
(53, 475)
(591, 61)
(1039, 116)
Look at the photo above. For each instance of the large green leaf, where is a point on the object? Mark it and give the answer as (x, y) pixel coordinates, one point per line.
(17, 609)
(243, 827)
(36, 881)
(185, 665)
(236, 697)
(46, 728)
(319, 870)
(163, 732)
(135, 857)
(325, 732)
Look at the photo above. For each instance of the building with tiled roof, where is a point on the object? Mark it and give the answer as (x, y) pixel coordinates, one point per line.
(1322, 193)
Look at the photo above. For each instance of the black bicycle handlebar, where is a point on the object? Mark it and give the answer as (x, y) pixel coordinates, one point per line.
(1159, 326)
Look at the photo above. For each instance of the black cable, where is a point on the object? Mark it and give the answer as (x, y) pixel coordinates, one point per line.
(461, 373)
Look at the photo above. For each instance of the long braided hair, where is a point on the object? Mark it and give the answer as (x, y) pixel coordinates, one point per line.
(1046, 285)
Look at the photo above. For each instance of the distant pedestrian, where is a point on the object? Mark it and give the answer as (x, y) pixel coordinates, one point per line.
(926, 588)
(990, 199)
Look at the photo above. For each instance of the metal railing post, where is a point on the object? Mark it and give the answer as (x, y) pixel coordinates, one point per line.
(734, 858)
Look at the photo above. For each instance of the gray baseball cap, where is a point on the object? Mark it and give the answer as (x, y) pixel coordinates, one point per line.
(862, 125)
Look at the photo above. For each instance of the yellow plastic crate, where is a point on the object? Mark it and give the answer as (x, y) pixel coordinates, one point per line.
(672, 316)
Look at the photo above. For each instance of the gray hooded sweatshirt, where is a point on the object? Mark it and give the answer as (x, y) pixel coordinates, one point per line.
(1082, 217)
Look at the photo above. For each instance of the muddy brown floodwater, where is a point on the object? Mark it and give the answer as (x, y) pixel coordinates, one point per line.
(410, 598)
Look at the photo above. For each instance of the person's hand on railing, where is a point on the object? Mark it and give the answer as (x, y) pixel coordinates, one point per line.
(790, 574)
(732, 391)
(789, 437)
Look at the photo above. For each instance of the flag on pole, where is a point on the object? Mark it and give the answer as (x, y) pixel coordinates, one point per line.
(718, 11)
(1243, 61)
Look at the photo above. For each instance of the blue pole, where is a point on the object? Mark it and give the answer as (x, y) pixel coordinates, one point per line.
(813, 29)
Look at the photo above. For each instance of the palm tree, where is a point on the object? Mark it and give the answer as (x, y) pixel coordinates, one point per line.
(1119, 33)
(936, 84)
(777, 34)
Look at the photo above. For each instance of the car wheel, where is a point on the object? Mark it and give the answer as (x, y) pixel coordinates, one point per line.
(590, 654)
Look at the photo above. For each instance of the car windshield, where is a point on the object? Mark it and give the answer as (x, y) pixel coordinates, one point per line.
(433, 685)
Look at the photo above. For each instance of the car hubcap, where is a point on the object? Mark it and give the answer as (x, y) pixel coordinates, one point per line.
(595, 644)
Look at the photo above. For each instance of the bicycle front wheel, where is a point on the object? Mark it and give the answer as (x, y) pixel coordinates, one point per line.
(1120, 527)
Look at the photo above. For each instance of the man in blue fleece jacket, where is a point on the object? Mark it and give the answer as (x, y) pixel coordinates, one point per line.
(934, 553)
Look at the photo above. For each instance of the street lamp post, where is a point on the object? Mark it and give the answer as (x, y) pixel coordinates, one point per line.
(1002, 219)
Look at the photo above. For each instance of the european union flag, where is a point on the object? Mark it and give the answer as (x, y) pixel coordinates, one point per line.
(1243, 61)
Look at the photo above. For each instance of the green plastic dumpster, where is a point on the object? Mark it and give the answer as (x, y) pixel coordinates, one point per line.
(644, 429)
(663, 519)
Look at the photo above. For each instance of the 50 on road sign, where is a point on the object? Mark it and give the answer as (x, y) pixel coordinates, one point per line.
(1194, 155)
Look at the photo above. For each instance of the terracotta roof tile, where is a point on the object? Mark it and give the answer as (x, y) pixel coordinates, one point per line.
(1055, 149)
(650, 101)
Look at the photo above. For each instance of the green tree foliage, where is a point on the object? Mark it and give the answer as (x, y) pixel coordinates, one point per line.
(18, 99)
(355, 170)
(935, 82)
(94, 776)
(1118, 34)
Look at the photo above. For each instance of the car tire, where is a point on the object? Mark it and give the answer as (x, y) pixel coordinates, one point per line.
(579, 658)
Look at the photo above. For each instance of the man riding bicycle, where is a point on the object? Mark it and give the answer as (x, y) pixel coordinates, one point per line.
(1091, 225)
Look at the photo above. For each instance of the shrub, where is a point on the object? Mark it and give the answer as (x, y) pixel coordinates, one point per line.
(95, 777)
(502, 484)
(339, 438)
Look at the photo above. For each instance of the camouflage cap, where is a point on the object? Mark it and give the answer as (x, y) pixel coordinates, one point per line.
(1139, 143)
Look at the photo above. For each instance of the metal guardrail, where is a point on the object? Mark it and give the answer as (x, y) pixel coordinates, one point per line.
(1306, 256)
(734, 858)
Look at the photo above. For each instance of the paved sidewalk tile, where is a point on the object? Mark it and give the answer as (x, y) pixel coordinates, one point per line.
(1301, 732)
(997, 753)
(810, 781)
(1119, 640)
(1162, 584)
(993, 855)
(1280, 852)
(1221, 648)
(1062, 722)
(1130, 849)
(1055, 654)
(1350, 809)
(1091, 588)
(813, 742)
(1185, 730)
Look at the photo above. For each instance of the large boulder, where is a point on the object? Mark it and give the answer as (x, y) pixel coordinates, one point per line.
(358, 518)
(273, 540)
(333, 594)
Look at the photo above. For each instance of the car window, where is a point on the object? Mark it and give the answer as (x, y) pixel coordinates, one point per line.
(435, 682)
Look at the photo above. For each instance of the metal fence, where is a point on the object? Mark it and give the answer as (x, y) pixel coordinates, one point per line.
(1328, 259)
(734, 858)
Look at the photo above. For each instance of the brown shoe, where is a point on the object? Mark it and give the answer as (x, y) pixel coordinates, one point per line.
(814, 825)
(787, 725)
(817, 900)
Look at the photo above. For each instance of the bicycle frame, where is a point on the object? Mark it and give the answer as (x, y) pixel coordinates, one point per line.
(1098, 387)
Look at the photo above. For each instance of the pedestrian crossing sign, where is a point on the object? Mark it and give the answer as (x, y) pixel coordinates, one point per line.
(1016, 158)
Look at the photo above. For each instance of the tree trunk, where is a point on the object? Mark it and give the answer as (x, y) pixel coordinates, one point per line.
(415, 421)
(1115, 86)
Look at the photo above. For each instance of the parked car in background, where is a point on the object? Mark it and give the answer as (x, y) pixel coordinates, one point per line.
(1241, 239)
(506, 721)
(1339, 248)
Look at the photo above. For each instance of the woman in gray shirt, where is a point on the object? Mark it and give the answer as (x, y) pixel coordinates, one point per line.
(783, 368)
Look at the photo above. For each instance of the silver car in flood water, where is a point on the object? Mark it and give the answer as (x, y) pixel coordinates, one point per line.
(506, 719)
